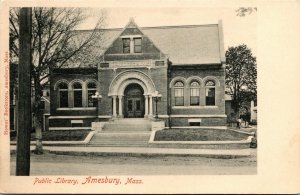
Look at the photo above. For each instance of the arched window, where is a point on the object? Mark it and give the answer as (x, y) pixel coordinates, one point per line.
(92, 88)
(179, 93)
(210, 93)
(63, 95)
(194, 93)
(77, 91)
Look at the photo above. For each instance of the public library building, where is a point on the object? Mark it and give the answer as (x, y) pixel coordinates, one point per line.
(174, 74)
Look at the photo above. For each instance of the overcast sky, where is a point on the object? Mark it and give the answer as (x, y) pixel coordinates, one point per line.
(237, 30)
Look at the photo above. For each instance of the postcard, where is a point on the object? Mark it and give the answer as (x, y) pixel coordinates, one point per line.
(149, 97)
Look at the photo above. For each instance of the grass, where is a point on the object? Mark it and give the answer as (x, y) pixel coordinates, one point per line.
(198, 135)
(60, 135)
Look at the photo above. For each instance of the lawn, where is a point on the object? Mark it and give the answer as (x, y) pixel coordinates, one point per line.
(198, 135)
(61, 135)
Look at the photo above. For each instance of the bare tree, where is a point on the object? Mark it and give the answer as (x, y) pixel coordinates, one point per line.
(55, 44)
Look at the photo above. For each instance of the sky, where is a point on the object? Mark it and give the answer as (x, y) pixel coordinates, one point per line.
(237, 30)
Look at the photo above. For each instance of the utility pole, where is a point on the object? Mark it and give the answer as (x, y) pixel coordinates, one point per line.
(24, 94)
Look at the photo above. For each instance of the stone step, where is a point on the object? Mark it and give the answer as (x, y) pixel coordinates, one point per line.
(123, 132)
(120, 139)
(106, 145)
(131, 121)
(116, 126)
(119, 143)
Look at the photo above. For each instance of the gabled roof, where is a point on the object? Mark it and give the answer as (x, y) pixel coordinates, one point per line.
(184, 45)
(197, 44)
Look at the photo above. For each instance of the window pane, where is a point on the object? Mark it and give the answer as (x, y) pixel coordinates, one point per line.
(137, 49)
(78, 98)
(179, 101)
(195, 92)
(194, 84)
(77, 86)
(179, 84)
(210, 83)
(195, 101)
(91, 85)
(42, 105)
(179, 92)
(137, 41)
(126, 45)
(63, 99)
(137, 45)
(129, 105)
(91, 101)
(210, 96)
(138, 105)
(63, 86)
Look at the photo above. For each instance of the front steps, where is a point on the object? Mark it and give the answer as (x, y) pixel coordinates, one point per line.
(124, 125)
(123, 133)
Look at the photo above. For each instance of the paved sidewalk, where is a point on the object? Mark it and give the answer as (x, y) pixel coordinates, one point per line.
(134, 151)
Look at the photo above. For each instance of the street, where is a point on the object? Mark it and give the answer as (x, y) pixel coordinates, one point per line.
(52, 164)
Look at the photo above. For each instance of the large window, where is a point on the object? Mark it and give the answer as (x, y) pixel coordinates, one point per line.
(92, 102)
(63, 95)
(179, 93)
(194, 93)
(137, 45)
(126, 45)
(77, 89)
(210, 93)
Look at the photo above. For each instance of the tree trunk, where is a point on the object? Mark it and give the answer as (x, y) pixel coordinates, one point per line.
(38, 118)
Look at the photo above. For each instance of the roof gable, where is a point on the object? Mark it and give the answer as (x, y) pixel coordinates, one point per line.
(183, 45)
(131, 31)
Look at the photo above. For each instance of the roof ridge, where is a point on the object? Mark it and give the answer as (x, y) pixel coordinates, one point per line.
(178, 26)
(154, 27)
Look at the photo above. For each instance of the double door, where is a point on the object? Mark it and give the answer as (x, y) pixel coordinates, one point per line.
(134, 107)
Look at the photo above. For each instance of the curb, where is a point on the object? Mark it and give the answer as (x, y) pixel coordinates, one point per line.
(130, 154)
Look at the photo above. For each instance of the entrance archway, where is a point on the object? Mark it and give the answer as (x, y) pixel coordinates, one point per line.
(123, 82)
(134, 101)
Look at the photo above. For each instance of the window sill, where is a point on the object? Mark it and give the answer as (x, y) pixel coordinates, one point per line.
(193, 107)
(79, 108)
(125, 54)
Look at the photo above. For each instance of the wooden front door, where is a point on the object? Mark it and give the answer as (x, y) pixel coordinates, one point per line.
(134, 102)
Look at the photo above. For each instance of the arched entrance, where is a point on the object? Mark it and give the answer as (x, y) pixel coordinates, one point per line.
(134, 102)
(126, 84)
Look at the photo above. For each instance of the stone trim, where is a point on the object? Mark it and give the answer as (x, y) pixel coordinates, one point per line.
(68, 128)
(70, 117)
(200, 127)
(128, 77)
(105, 116)
(193, 107)
(78, 108)
(198, 116)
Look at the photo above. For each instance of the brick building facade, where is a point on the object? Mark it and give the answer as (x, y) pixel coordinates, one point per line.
(184, 65)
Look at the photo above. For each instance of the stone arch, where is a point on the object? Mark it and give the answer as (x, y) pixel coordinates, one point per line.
(177, 79)
(215, 79)
(123, 79)
(75, 81)
(91, 81)
(59, 82)
(194, 78)
(131, 81)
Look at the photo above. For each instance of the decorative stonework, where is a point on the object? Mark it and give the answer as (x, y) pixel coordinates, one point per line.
(133, 63)
(123, 79)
